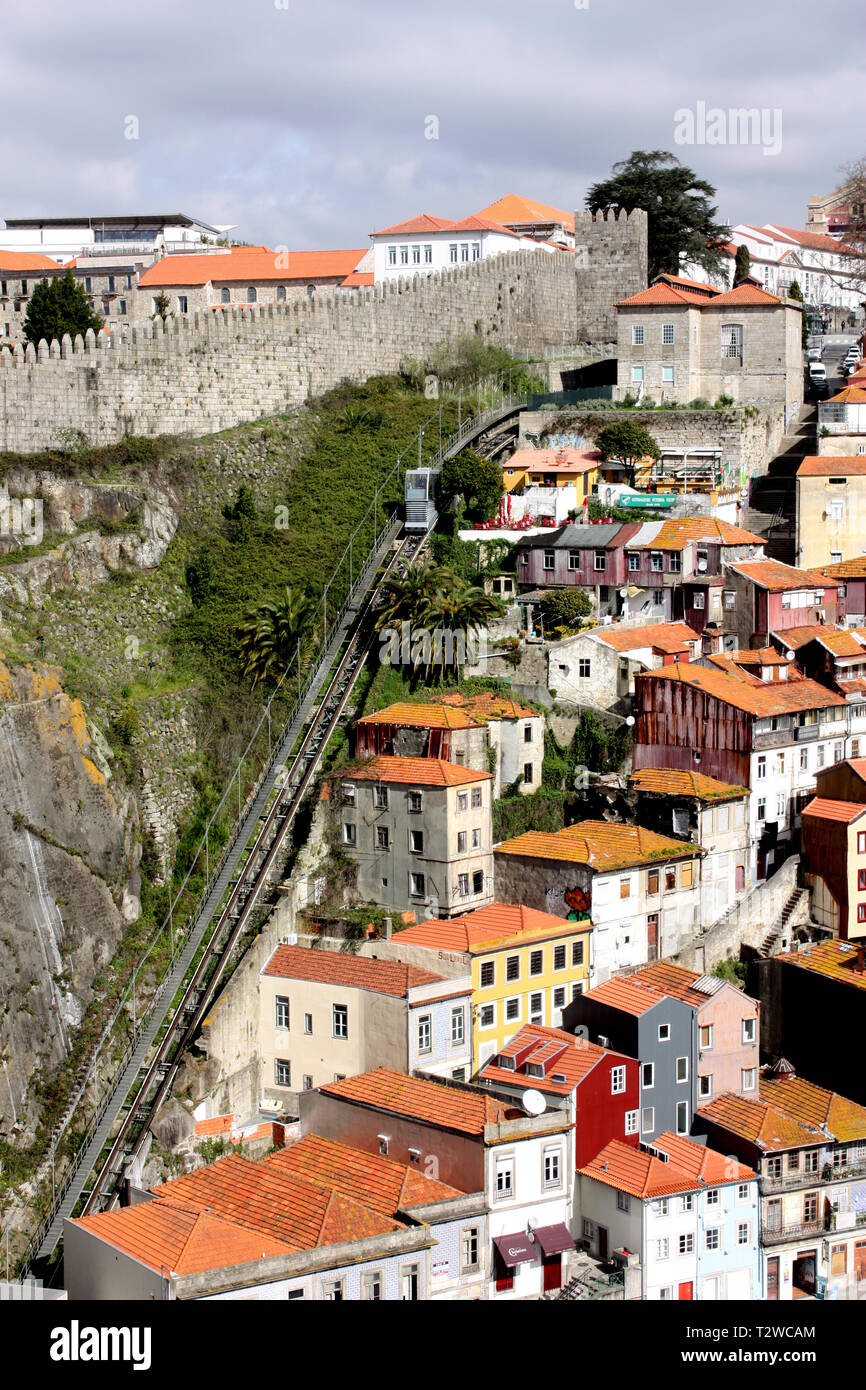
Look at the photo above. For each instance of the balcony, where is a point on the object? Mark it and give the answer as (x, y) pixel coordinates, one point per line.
(779, 1234)
(789, 1182)
(807, 733)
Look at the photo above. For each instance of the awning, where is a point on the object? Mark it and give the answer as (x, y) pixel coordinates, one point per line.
(554, 1239)
(515, 1250)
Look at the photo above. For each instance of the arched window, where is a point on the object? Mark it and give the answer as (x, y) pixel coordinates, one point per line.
(281, 292)
(225, 296)
(311, 290)
(251, 294)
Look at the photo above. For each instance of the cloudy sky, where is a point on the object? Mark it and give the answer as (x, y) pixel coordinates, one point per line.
(308, 122)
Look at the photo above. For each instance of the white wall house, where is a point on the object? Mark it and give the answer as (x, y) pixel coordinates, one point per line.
(425, 244)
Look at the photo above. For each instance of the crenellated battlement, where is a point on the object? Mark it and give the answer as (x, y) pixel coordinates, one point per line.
(610, 260)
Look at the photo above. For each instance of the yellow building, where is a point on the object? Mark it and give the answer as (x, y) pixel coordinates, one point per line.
(831, 510)
(552, 468)
(526, 966)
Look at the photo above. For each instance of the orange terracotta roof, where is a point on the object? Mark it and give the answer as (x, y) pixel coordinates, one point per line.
(836, 959)
(486, 706)
(554, 460)
(522, 211)
(573, 1059)
(169, 1236)
(626, 993)
(428, 772)
(729, 664)
(762, 1124)
(475, 932)
(681, 280)
(391, 977)
(849, 395)
(424, 222)
(603, 845)
(664, 294)
(832, 465)
(408, 715)
(672, 980)
(665, 637)
(357, 278)
(778, 577)
(447, 1108)
(699, 1161)
(669, 781)
(759, 656)
(676, 532)
(816, 241)
(745, 294)
(28, 260)
(248, 264)
(812, 1105)
(637, 1172)
(772, 697)
(796, 637)
(379, 1183)
(846, 569)
(821, 808)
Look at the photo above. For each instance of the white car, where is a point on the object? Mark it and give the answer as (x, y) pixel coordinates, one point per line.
(817, 372)
(813, 355)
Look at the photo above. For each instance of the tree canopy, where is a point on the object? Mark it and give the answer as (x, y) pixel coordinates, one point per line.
(58, 305)
(477, 480)
(742, 264)
(628, 441)
(680, 215)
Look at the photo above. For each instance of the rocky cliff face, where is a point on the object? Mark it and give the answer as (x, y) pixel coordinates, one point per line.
(68, 876)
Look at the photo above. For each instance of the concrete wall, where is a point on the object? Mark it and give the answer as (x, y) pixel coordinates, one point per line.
(749, 922)
(94, 1271)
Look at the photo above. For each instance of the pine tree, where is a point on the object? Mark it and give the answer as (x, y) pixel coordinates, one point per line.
(59, 305)
(742, 265)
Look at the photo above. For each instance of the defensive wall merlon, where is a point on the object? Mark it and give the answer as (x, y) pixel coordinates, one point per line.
(200, 374)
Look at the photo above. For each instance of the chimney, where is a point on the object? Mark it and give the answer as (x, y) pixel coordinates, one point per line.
(387, 928)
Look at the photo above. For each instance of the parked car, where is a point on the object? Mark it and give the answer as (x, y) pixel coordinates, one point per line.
(814, 354)
(817, 373)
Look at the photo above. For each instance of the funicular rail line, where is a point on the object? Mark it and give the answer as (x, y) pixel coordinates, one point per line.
(174, 1026)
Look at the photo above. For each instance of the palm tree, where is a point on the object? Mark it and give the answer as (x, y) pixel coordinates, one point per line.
(457, 609)
(406, 596)
(268, 636)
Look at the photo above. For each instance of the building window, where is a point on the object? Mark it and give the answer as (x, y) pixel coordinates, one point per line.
(667, 332)
(504, 1178)
(762, 765)
(705, 1086)
(334, 1291)
(477, 881)
(527, 733)
(622, 1202)
(416, 255)
(584, 668)
(371, 1287)
(617, 1080)
(527, 772)
(549, 562)
(743, 1192)
(749, 1032)
(121, 306)
(686, 875)
(664, 1032)
(488, 974)
(631, 1122)
(705, 1036)
(633, 562)
(670, 880)
(452, 252)
(308, 1024)
(416, 885)
(742, 1232)
(647, 1076)
(350, 834)
(487, 1016)
(688, 1203)
(762, 805)
(748, 1078)
(476, 839)
(652, 882)
(458, 1027)
(637, 334)
(409, 1283)
(682, 1069)
(663, 1249)
(599, 560)
(380, 798)
(382, 840)
(349, 793)
(281, 1011)
(341, 1020)
(463, 885)
(282, 1071)
(512, 1010)
(308, 1083)
(732, 340)
(512, 967)
(698, 600)
(416, 802)
(711, 1238)
(559, 957)
(648, 1119)
(462, 801)
(536, 1009)
(392, 255)
(625, 888)
(281, 294)
(425, 1033)
(682, 1117)
(810, 1208)
(476, 797)
(428, 253)
(576, 989)
(182, 304)
(577, 953)
(804, 760)
(686, 1243)
(676, 557)
(536, 962)
(552, 1167)
(416, 841)
(637, 376)
(559, 998)
(469, 1249)
(657, 561)
(461, 841)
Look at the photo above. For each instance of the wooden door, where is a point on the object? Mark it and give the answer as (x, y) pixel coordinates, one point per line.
(552, 1265)
(740, 878)
(860, 1259)
(773, 1277)
(602, 1242)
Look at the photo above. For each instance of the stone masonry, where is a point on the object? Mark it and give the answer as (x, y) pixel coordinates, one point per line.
(610, 259)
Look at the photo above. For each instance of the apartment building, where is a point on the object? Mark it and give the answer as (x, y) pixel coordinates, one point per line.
(689, 1215)
(478, 731)
(419, 831)
(324, 1014)
(831, 509)
(842, 421)
(770, 597)
(771, 737)
(425, 244)
(525, 966)
(641, 890)
(808, 1146)
(598, 667)
(248, 275)
(522, 1163)
(320, 1220)
(709, 813)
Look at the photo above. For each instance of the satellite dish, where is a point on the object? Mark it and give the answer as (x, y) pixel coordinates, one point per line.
(623, 593)
(533, 1102)
(789, 656)
(629, 720)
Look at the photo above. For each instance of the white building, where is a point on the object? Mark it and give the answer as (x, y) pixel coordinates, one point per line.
(63, 238)
(425, 244)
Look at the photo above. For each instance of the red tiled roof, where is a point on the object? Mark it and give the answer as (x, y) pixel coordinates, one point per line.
(429, 772)
(698, 1160)
(574, 1059)
(764, 1125)
(28, 260)
(604, 845)
(665, 294)
(670, 781)
(767, 698)
(675, 981)
(554, 460)
(522, 211)
(486, 706)
(443, 1106)
(816, 241)
(823, 809)
(812, 1105)
(250, 264)
(778, 577)
(170, 1236)
(849, 395)
(379, 1183)
(836, 959)
(638, 1173)
(626, 993)
(352, 972)
(830, 465)
(479, 930)
(744, 294)
(665, 637)
(676, 532)
(430, 715)
(357, 278)
(424, 222)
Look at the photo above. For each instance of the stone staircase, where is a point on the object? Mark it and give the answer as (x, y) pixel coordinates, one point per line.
(771, 939)
(771, 511)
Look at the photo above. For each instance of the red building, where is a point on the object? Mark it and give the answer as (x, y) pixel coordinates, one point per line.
(770, 597)
(599, 1087)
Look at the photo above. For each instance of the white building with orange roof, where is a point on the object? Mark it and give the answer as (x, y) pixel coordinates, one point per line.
(459, 1135)
(424, 244)
(474, 731)
(598, 667)
(245, 275)
(640, 889)
(317, 1221)
(842, 422)
(684, 1214)
(831, 508)
(419, 831)
(525, 965)
(530, 218)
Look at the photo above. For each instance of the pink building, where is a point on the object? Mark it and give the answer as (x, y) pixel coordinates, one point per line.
(770, 597)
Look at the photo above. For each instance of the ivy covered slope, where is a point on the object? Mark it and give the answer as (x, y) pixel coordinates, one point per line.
(124, 706)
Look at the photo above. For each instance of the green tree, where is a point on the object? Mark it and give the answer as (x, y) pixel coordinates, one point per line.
(565, 608)
(59, 305)
(201, 576)
(161, 305)
(680, 215)
(459, 610)
(269, 635)
(796, 293)
(477, 480)
(628, 441)
(742, 264)
(241, 513)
